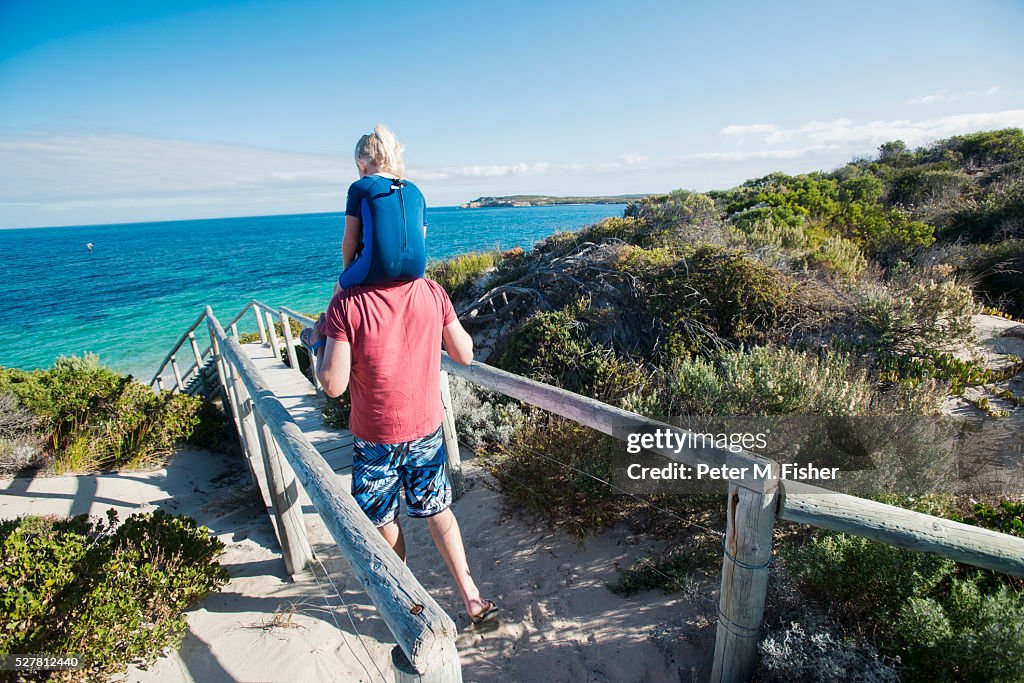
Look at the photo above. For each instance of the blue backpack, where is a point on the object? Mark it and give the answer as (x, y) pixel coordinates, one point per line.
(394, 214)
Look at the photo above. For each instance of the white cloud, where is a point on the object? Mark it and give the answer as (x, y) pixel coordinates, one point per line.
(945, 95)
(630, 158)
(772, 134)
(62, 179)
(844, 133)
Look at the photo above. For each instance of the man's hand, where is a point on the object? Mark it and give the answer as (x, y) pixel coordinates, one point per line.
(318, 327)
(313, 337)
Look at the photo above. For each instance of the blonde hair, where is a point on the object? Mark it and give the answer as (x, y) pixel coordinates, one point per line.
(382, 148)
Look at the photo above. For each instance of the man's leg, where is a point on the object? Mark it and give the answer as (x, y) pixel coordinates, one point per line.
(444, 529)
(392, 533)
(428, 493)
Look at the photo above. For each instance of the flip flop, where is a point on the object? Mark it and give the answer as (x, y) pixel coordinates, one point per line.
(487, 614)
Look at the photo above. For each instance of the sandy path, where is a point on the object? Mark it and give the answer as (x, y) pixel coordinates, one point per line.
(558, 622)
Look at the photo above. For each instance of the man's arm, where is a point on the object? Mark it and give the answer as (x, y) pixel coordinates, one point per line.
(333, 365)
(457, 342)
(333, 360)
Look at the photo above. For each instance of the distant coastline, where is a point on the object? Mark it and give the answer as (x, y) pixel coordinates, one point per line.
(546, 200)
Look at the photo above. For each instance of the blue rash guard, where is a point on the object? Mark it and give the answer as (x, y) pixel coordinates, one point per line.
(394, 216)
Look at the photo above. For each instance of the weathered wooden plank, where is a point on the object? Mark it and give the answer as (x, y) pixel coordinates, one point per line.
(750, 517)
(272, 332)
(177, 374)
(900, 527)
(451, 440)
(260, 326)
(195, 347)
(448, 671)
(586, 411)
(801, 502)
(174, 349)
(298, 555)
(286, 329)
(421, 628)
(303, 320)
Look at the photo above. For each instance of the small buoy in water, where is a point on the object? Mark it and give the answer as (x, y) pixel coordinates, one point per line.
(88, 245)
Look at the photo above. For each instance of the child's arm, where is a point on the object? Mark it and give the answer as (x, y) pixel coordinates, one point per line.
(352, 239)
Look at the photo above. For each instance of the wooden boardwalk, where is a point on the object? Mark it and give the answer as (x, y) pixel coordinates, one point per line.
(305, 406)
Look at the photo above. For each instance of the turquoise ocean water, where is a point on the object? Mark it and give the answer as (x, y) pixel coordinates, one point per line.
(144, 283)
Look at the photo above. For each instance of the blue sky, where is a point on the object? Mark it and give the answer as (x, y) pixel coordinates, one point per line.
(125, 111)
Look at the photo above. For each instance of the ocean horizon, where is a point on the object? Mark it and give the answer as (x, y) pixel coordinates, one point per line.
(131, 297)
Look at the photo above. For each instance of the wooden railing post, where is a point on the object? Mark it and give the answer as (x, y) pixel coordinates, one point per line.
(258, 312)
(284, 492)
(286, 328)
(451, 439)
(234, 330)
(195, 351)
(160, 383)
(177, 374)
(750, 519)
(222, 376)
(249, 434)
(275, 345)
(446, 669)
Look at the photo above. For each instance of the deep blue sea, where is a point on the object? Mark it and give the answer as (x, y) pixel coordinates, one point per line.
(144, 283)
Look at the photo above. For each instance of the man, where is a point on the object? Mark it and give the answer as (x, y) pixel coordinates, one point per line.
(383, 343)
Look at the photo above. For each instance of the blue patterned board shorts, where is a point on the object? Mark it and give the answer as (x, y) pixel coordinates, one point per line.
(417, 466)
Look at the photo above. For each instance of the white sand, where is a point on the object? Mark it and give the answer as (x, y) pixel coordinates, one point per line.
(558, 621)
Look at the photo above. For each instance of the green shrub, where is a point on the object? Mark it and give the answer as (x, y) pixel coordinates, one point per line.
(997, 271)
(458, 273)
(552, 347)
(839, 256)
(1007, 518)
(716, 294)
(963, 635)
(528, 469)
(920, 364)
(96, 418)
(937, 617)
(672, 571)
(113, 595)
(770, 381)
(870, 579)
(918, 308)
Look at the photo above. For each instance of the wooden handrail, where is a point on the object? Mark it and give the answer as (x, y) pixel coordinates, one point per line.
(304, 319)
(423, 631)
(177, 345)
(799, 502)
(898, 526)
(266, 307)
(245, 309)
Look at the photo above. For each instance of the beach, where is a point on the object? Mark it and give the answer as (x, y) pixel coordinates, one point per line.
(558, 620)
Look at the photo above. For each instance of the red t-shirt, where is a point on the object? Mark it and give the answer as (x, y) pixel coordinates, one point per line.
(395, 332)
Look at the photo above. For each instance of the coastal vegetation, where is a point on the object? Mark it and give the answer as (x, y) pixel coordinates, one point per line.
(79, 416)
(110, 594)
(545, 200)
(850, 292)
